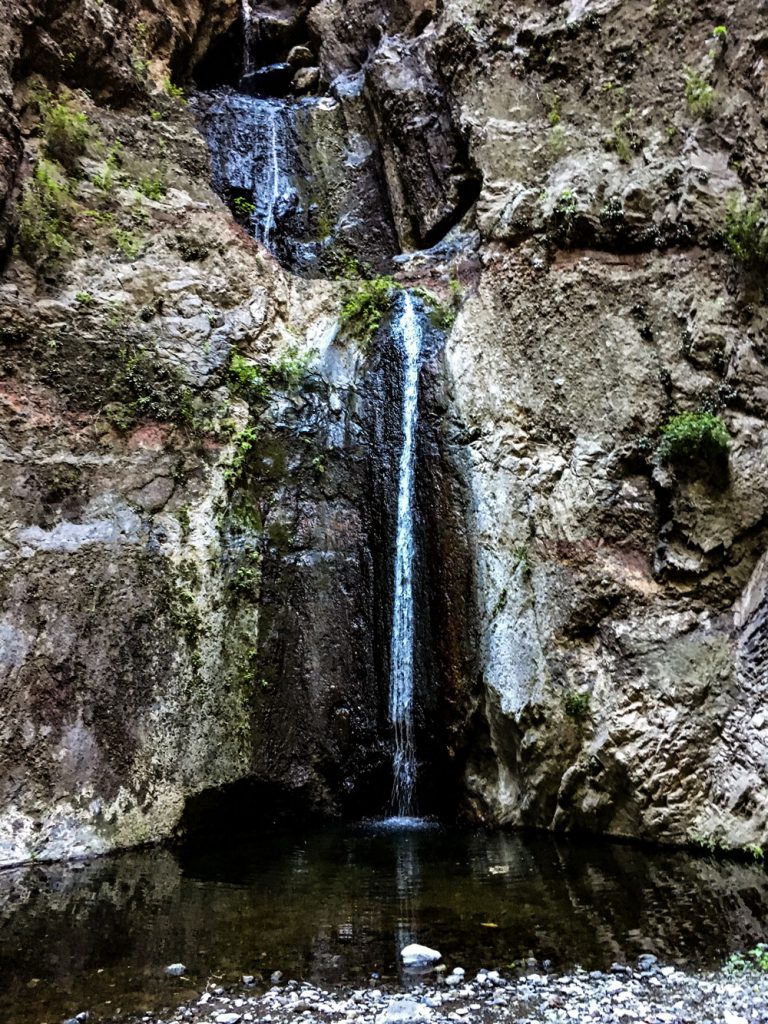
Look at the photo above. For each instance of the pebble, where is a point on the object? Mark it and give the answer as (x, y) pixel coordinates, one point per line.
(651, 993)
(175, 970)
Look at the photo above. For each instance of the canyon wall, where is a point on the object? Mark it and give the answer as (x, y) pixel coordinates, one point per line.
(194, 563)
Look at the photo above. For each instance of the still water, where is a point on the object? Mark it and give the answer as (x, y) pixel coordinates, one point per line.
(335, 906)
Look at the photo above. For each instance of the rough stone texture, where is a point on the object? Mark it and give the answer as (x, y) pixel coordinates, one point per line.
(599, 572)
(183, 609)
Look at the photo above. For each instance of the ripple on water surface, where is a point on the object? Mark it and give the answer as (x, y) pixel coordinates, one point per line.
(335, 906)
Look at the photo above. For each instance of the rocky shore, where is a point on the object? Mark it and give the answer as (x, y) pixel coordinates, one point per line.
(648, 992)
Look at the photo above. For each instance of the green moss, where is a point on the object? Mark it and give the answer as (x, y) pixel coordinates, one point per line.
(694, 438)
(247, 579)
(144, 387)
(244, 442)
(576, 705)
(254, 383)
(366, 308)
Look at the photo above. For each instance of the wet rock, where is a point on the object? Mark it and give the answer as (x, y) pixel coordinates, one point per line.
(305, 80)
(300, 56)
(415, 955)
(175, 970)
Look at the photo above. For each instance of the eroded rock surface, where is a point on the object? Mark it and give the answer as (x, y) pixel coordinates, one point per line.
(191, 563)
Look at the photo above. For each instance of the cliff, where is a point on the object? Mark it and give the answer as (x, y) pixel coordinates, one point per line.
(196, 501)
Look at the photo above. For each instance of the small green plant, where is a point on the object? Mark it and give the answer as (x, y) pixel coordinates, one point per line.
(366, 308)
(174, 91)
(65, 132)
(694, 437)
(755, 959)
(244, 441)
(756, 852)
(127, 242)
(624, 141)
(105, 178)
(153, 187)
(248, 577)
(553, 114)
(442, 315)
(699, 94)
(720, 32)
(566, 204)
(45, 215)
(612, 213)
(84, 298)
(245, 379)
(243, 207)
(522, 557)
(746, 230)
(290, 368)
(556, 140)
(576, 705)
(318, 464)
(345, 266)
(141, 66)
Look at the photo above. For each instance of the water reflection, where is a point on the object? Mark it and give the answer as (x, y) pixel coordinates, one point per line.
(338, 905)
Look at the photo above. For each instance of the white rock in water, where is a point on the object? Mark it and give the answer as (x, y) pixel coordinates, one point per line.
(418, 956)
(175, 970)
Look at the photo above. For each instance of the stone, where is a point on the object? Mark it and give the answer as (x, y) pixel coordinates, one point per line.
(415, 955)
(300, 56)
(175, 970)
(403, 1011)
(305, 80)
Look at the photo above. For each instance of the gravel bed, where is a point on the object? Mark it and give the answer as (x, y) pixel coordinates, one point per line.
(647, 993)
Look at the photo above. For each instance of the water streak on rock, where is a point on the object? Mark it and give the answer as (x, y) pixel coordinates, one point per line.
(408, 335)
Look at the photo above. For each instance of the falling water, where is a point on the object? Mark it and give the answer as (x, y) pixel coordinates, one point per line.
(273, 189)
(247, 15)
(253, 153)
(401, 680)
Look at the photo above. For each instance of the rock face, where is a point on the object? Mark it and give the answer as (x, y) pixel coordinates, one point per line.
(194, 564)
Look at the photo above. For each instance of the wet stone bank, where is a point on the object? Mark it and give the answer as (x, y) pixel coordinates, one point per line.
(648, 992)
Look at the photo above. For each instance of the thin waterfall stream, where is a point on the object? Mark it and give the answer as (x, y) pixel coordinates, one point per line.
(265, 162)
(401, 709)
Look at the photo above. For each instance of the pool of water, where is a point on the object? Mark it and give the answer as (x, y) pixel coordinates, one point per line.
(333, 906)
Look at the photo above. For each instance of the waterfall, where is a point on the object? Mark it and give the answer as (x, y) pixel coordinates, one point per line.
(408, 333)
(247, 16)
(272, 192)
(253, 144)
